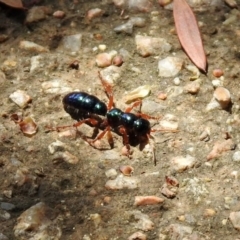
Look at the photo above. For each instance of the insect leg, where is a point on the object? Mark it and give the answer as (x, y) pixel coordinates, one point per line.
(101, 135)
(123, 132)
(135, 104)
(108, 90)
(140, 114)
(77, 124)
(152, 146)
(164, 130)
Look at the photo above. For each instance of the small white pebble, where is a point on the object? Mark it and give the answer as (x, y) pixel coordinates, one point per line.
(193, 69)
(234, 174)
(122, 182)
(231, 19)
(176, 81)
(55, 146)
(96, 218)
(94, 49)
(86, 237)
(70, 133)
(192, 87)
(180, 163)
(73, 24)
(33, 47)
(102, 47)
(224, 221)
(124, 28)
(94, 13)
(180, 230)
(36, 218)
(204, 136)
(147, 46)
(65, 156)
(55, 86)
(217, 83)
(169, 66)
(111, 74)
(135, 69)
(138, 236)
(35, 62)
(209, 212)
(138, 21)
(111, 173)
(143, 221)
(59, 14)
(169, 122)
(236, 156)
(235, 219)
(208, 164)
(72, 42)
(21, 98)
(214, 104)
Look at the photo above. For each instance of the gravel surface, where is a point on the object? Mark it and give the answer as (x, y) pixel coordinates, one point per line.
(54, 185)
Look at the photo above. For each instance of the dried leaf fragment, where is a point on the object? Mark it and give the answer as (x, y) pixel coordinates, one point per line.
(209, 212)
(13, 3)
(16, 118)
(163, 3)
(27, 124)
(189, 34)
(32, 47)
(147, 200)
(138, 236)
(172, 181)
(137, 94)
(126, 170)
(231, 3)
(221, 147)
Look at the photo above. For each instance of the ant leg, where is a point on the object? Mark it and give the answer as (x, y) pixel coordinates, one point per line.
(110, 138)
(149, 139)
(152, 146)
(108, 90)
(123, 132)
(135, 104)
(140, 114)
(101, 135)
(145, 116)
(122, 12)
(164, 130)
(77, 124)
(92, 121)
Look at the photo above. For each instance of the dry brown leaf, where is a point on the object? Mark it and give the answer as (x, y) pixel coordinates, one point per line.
(13, 3)
(189, 34)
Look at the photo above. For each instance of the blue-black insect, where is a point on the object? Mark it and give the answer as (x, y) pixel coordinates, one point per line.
(86, 108)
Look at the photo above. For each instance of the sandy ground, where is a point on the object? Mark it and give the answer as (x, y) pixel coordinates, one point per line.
(70, 177)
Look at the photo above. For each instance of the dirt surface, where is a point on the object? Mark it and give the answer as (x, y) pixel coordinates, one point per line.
(76, 193)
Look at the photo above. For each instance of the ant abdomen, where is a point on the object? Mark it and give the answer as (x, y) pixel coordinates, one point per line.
(82, 103)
